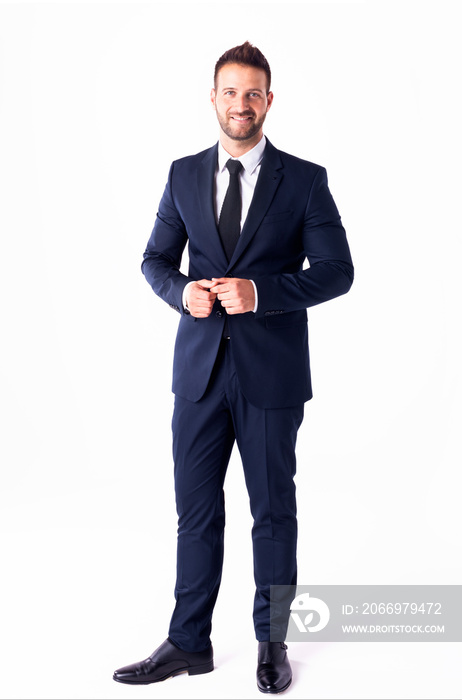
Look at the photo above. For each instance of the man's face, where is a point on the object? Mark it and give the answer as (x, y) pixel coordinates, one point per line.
(241, 102)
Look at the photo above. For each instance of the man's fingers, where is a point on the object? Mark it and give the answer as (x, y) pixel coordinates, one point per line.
(206, 284)
(200, 290)
(202, 294)
(220, 284)
(236, 295)
(199, 298)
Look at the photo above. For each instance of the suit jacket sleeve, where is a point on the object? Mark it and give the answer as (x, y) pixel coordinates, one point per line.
(162, 257)
(330, 273)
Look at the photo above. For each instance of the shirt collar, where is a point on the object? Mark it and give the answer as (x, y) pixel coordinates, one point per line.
(249, 160)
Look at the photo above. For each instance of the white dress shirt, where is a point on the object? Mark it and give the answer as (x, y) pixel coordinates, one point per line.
(251, 162)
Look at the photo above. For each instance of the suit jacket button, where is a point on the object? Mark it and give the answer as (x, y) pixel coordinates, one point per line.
(219, 314)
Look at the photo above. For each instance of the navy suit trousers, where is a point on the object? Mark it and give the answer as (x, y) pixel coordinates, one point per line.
(204, 433)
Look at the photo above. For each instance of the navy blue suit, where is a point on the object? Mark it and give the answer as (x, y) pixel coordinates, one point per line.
(251, 389)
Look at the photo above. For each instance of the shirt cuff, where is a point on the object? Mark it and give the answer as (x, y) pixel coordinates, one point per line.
(185, 296)
(256, 296)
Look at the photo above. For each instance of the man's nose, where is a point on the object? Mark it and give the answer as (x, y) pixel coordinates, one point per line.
(242, 103)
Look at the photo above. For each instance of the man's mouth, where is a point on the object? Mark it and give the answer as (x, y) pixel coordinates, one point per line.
(241, 119)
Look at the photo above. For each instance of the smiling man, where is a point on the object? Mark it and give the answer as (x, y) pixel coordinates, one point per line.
(251, 215)
(241, 110)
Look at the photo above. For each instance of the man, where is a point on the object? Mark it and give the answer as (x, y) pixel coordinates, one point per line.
(251, 215)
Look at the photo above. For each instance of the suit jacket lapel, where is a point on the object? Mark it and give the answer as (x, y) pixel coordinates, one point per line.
(268, 182)
(205, 195)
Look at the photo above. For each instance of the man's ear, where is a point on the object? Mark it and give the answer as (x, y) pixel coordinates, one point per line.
(212, 97)
(270, 99)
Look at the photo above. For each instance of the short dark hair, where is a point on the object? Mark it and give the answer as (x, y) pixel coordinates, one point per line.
(246, 55)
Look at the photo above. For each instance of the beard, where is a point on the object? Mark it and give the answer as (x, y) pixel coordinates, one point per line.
(238, 133)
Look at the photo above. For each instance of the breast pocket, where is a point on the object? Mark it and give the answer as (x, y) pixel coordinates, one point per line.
(278, 216)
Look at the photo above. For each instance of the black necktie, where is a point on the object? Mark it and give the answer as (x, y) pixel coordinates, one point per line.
(229, 224)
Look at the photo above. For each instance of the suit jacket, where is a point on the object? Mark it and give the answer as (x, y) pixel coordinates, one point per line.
(292, 218)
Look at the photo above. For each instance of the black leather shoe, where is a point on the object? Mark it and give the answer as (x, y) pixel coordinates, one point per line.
(166, 661)
(274, 674)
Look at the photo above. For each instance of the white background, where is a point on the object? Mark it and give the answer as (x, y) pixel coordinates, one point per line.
(96, 100)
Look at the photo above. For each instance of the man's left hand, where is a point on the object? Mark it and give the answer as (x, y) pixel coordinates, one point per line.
(237, 295)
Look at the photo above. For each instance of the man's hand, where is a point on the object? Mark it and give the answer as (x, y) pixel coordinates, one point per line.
(199, 299)
(236, 295)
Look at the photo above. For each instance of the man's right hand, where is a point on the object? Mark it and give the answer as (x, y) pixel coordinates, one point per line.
(199, 299)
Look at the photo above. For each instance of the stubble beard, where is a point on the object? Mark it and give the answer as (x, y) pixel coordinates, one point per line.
(243, 135)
